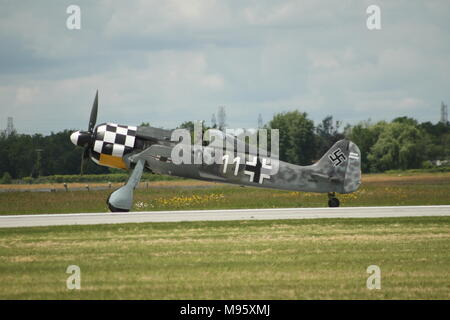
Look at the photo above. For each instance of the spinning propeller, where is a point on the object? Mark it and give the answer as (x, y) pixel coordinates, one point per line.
(86, 139)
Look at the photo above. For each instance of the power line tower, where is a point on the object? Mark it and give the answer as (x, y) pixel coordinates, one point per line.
(221, 118)
(10, 127)
(213, 121)
(444, 113)
(260, 121)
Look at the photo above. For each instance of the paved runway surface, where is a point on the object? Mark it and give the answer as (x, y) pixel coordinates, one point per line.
(220, 215)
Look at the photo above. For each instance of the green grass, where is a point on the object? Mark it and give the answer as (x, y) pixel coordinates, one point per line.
(111, 177)
(423, 170)
(378, 190)
(290, 259)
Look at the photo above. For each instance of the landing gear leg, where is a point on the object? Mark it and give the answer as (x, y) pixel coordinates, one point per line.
(332, 200)
(121, 200)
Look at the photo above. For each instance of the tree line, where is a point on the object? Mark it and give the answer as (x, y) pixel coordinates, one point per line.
(403, 143)
(23, 155)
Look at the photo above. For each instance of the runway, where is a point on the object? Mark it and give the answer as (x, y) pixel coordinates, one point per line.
(36, 220)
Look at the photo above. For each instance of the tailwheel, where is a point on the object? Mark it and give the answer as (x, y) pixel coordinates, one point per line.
(333, 202)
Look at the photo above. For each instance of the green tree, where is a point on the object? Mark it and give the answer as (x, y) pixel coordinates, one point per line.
(401, 145)
(297, 140)
(19, 155)
(439, 135)
(365, 135)
(187, 125)
(406, 120)
(327, 134)
(6, 179)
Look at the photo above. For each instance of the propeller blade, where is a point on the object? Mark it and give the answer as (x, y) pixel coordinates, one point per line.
(87, 146)
(93, 118)
(86, 152)
(82, 164)
(84, 155)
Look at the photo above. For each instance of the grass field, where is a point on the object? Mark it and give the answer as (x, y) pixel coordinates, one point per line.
(291, 259)
(285, 259)
(376, 190)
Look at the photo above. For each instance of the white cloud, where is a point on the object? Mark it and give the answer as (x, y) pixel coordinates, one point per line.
(172, 61)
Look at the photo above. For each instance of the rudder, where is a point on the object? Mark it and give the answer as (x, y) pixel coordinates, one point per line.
(342, 165)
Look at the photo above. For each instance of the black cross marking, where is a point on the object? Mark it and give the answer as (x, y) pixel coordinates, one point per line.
(337, 157)
(255, 169)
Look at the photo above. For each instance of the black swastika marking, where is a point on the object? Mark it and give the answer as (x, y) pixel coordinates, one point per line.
(337, 157)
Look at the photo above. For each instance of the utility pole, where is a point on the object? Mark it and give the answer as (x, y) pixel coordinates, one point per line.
(10, 127)
(38, 162)
(222, 118)
(444, 113)
(260, 121)
(213, 121)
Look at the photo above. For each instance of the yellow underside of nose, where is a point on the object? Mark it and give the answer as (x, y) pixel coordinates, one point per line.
(111, 161)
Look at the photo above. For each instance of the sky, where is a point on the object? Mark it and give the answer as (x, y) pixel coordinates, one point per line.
(166, 62)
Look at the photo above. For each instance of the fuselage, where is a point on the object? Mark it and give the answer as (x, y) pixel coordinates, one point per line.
(113, 145)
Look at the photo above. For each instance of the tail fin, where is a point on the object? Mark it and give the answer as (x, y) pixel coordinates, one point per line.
(342, 165)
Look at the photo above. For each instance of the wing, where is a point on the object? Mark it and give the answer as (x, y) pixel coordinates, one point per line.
(153, 134)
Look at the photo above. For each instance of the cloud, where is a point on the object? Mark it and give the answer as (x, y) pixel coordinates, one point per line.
(172, 61)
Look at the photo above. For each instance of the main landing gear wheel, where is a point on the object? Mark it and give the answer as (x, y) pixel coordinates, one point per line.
(114, 209)
(333, 202)
(121, 200)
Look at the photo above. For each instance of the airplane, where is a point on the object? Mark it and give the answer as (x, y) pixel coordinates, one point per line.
(139, 148)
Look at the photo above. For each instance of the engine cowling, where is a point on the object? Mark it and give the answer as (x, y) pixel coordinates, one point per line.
(112, 142)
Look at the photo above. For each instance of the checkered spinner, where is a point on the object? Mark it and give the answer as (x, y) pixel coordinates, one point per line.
(115, 140)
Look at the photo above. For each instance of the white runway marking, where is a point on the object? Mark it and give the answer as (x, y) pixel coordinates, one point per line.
(220, 215)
